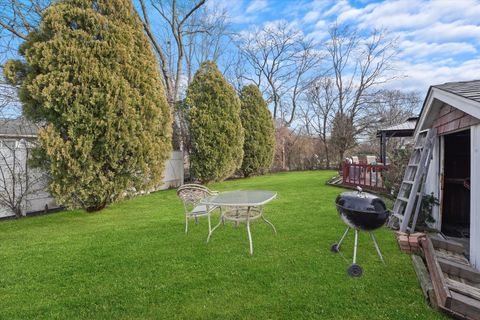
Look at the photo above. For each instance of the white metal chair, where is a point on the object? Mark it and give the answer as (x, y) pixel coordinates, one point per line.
(191, 194)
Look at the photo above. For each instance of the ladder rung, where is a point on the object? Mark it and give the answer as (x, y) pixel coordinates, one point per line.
(417, 169)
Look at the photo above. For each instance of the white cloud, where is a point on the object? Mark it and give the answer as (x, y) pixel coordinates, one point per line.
(449, 31)
(311, 16)
(257, 6)
(438, 40)
(321, 24)
(235, 10)
(422, 75)
(318, 36)
(415, 50)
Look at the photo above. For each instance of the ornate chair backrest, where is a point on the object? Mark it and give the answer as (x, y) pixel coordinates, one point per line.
(191, 194)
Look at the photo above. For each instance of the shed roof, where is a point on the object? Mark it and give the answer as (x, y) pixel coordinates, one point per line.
(462, 95)
(17, 128)
(466, 89)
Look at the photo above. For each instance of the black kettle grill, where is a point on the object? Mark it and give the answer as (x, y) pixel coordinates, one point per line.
(360, 211)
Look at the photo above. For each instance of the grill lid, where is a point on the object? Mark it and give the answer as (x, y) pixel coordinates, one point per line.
(361, 202)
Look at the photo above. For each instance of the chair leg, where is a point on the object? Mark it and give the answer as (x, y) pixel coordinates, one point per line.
(209, 227)
(186, 224)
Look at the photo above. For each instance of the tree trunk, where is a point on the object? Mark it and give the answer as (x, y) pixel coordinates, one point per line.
(327, 156)
(96, 208)
(18, 212)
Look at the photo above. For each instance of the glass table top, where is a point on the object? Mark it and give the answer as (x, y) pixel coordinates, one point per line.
(240, 198)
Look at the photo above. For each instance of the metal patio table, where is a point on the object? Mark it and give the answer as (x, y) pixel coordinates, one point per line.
(241, 206)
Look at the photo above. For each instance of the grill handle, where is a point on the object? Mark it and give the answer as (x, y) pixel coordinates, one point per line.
(360, 192)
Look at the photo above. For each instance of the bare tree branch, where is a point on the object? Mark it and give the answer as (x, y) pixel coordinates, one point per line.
(283, 62)
(360, 64)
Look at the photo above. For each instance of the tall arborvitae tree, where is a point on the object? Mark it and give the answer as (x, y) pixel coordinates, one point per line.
(215, 127)
(259, 145)
(89, 74)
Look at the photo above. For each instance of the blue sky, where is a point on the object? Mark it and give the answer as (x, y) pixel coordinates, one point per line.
(438, 40)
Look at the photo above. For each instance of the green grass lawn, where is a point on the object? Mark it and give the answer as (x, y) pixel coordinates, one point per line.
(134, 261)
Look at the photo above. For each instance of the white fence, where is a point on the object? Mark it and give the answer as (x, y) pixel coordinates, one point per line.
(174, 171)
(15, 175)
(20, 185)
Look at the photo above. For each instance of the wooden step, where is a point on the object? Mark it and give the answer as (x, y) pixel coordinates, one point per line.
(452, 256)
(453, 279)
(465, 306)
(446, 244)
(453, 268)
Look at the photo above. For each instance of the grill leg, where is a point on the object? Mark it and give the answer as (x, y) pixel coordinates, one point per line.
(343, 237)
(377, 247)
(355, 247)
(336, 246)
(355, 270)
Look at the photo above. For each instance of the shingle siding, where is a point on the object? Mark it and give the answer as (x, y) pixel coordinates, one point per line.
(451, 119)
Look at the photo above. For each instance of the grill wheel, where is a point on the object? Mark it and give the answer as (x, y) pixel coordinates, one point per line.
(355, 270)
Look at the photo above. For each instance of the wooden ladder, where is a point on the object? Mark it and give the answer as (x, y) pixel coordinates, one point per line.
(412, 189)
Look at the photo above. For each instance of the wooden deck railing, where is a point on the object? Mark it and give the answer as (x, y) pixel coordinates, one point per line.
(369, 176)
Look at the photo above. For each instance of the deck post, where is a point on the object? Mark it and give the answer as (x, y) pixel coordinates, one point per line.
(383, 147)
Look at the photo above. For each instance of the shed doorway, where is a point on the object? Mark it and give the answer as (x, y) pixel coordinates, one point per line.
(456, 185)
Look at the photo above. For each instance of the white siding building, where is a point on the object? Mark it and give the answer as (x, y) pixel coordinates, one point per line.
(454, 173)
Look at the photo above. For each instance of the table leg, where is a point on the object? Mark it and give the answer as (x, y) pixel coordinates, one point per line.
(248, 231)
(268, 222)
(236, 222)
(221, 221)
(271, 224)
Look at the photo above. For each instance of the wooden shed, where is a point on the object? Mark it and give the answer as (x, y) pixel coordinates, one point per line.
(454, 173)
